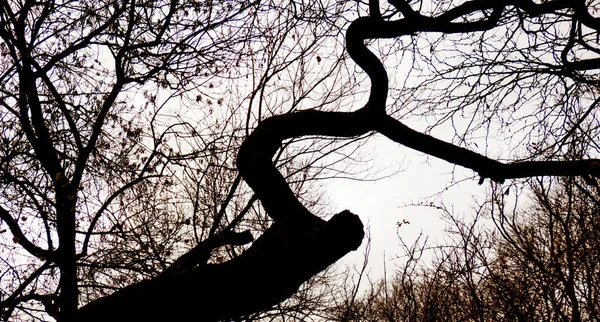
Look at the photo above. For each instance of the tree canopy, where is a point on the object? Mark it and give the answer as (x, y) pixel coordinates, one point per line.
(144, 143)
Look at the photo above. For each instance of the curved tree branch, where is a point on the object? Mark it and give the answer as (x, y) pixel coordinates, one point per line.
(20, 238)
(300, 244)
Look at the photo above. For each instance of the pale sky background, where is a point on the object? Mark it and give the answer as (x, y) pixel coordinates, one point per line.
(383, 203)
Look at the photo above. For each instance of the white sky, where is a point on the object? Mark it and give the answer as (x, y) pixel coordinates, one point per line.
(382, 204)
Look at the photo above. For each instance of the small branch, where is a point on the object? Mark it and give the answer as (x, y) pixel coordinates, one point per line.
(58, 99)
(200, 254)
(405, 9)
(105, 205)
(224, 205)
(20, 238)
(46, 300)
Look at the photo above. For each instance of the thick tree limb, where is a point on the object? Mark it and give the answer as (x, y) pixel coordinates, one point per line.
(266, 274)
(300, 244)
(484, 166)
(341, 124)
(257, 169)
(369, 28)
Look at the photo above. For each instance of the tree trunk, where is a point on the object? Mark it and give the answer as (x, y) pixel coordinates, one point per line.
(266, 274)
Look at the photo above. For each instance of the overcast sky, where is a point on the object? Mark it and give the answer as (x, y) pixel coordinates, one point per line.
(383, 203)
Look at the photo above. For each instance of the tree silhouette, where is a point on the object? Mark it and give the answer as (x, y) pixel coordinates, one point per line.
(539, 264)
(144, 46)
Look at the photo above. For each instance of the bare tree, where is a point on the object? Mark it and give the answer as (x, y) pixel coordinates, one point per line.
(143, 106)
(72, 70)
(534, 262)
